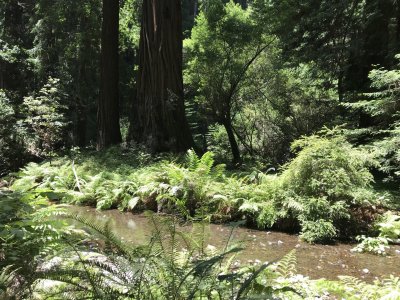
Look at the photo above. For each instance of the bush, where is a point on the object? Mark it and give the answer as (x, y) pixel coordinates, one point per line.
(318, 188)
(389, 231)
(319, 231)
(46, 118)
(327, 178)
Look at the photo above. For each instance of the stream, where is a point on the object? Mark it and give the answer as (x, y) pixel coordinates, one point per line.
(315, 261)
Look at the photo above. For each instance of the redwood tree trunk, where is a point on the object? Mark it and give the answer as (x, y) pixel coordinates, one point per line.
(159, 111)
(108, 109)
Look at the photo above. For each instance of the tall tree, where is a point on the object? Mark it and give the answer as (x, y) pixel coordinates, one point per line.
(109, 132)
(225, 43)
(159, 112)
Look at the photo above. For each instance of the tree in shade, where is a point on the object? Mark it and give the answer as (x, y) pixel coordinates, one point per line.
(108, 109)
(159, 114)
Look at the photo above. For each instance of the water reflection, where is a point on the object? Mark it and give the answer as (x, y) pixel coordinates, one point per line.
(316, 261)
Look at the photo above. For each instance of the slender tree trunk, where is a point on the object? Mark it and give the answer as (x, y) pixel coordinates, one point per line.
(195, 8)
(159, 109)
(340, 86)
(108, 109)
(2, 71)
(232, 141)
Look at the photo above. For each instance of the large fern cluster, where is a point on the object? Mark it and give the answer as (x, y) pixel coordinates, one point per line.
(30, 229)
(316, 192)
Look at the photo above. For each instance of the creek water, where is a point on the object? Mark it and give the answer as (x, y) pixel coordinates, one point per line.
(315, 261)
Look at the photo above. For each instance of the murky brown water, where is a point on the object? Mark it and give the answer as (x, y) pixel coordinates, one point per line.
(315, 261)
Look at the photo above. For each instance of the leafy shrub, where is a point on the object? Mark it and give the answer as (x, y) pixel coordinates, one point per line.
(46, 117)
(383, 104)
(389, 226)
(389, 231)
(327, 178)
(386, 288)
(317, 189)
(218, 143)
(329, 167)
(376, 245)
(318, 231)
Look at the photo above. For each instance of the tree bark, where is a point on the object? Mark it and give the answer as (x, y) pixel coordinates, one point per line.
(108, 127)
(237, 160)
(159, 112)
(195, 8)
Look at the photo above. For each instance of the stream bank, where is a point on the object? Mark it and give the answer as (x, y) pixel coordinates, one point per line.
(313, 260)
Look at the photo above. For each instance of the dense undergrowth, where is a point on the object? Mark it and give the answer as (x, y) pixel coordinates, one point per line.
(321, 192)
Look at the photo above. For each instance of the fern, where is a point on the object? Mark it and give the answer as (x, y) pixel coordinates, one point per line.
(358, 288)
(206, 163)
(192, 160)
(286, 267)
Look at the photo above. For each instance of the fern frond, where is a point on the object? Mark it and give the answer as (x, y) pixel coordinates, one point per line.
(286, 267)
(192, 160)
(206, 163)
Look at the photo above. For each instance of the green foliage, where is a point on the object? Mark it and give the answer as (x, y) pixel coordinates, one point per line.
(8, 53)
(280, 104)
(329, 167)
(318, 188)
(387, 288)
(320, 231)
(224, 43)
(129, 27)
(46, 118)
(172, 266)
(376, 245)
(30, 229)
(218, 143)
(355, 289)
(327, 177)
(316, 191)
(383, 104)
(11, 149)
(389, 231)
(389, 226)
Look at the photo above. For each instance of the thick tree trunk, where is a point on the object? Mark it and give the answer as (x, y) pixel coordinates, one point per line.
(108, 109)
(160, 121)
(237, 160)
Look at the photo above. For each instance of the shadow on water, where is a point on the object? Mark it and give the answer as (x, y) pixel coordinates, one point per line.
(315, 261)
